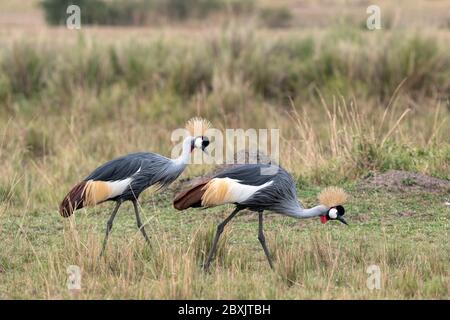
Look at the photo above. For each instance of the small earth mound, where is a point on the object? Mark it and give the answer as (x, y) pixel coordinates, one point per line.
(404, 181)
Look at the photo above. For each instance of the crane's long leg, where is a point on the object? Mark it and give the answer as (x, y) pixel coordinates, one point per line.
(109, 225)
(219, 231)
(262, 239)
(139, 222)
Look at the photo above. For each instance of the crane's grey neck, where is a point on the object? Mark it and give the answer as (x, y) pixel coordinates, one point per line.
(301, 213)
(183, 159)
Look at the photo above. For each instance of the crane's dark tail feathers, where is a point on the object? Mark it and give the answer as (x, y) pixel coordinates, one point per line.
(73, 200)
(191, 197)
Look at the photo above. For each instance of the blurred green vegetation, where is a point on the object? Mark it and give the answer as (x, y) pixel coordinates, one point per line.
(140, 12)
(278, 17)
(341, 62)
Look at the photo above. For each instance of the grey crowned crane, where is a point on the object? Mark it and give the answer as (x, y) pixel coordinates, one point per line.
(258, 188)
(125, 177)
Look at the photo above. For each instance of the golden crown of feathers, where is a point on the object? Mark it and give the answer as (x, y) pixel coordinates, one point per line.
(332, 197)
(197, 126)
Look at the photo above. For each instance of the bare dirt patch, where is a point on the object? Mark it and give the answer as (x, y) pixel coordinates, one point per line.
(404, 181)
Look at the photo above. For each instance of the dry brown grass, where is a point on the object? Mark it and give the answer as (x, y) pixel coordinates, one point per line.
(320, 266)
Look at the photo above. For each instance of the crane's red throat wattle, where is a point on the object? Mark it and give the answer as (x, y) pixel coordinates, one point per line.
(323, 219)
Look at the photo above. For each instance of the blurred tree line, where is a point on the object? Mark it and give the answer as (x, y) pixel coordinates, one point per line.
(140, 12)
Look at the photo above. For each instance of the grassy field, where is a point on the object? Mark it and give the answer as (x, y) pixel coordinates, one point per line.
(350, 105)
(311, 260)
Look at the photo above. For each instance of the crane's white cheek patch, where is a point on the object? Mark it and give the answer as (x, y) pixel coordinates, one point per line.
(333, 213)
(198, 143)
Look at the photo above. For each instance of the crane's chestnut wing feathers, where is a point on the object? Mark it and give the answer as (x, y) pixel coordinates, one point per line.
(190, 198)
(73, 200)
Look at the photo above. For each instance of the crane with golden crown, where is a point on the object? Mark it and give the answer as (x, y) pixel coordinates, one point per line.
(124, 178)
(258, 188)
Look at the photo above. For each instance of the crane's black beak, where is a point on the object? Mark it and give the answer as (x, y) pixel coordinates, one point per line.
(342, 220)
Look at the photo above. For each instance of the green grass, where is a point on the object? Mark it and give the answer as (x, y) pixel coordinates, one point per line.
(312, 260)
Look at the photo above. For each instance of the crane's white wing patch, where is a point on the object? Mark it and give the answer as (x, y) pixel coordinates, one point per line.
(225, 190)
(118, 187)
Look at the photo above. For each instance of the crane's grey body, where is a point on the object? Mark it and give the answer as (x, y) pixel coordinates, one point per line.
(141, 170)
(279, 196)
(136, 172)
(144, 170)
(275, 191)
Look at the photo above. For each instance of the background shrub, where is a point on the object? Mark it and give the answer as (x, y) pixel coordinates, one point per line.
(138, 12)
(277, 17)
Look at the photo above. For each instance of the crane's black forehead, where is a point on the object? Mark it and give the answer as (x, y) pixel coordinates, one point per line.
(340, 210)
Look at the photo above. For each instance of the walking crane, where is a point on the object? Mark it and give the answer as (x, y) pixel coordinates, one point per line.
(124, 178)
(258, 188)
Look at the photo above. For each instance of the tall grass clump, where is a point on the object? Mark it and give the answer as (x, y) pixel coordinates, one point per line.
(411, 58)
(352, 142)
(337, 63)
(25, 69)
(277, 17)
(181, 9)
(201, 242)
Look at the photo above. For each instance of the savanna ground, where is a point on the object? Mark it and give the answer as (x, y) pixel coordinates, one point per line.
(350, 104)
